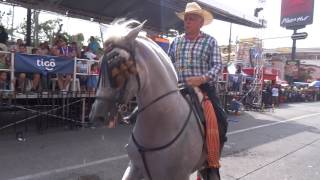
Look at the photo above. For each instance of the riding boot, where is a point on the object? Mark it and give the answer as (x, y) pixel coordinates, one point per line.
(210, 174)
(213, 174)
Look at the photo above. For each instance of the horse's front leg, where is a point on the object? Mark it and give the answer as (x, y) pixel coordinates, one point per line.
(132, 173)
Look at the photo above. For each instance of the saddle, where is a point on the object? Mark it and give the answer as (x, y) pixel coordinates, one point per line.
(189, 92)
(207, 122)
(205, 112)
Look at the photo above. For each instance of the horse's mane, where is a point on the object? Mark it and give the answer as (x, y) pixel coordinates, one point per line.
(165, 60)
(119, 28)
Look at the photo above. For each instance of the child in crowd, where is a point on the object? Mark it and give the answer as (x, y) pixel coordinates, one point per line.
(75, 49)
(22, 83)
(44, 49)
(3, 81)
(82, 68)
(15, 47)
(235, 106)
(4, 61)
(35, 77)
(93, 44)
(92, 80)
(4, 85)
(67, 52)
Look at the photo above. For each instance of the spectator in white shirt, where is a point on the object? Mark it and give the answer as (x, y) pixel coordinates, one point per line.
(275, 96)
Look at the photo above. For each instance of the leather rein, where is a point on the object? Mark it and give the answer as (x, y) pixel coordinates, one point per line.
(108, 61)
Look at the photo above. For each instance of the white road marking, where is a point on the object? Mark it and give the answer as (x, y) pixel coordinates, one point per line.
(68, 168)
(271, 124)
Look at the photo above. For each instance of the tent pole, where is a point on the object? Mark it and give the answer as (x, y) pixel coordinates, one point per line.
(28, 38)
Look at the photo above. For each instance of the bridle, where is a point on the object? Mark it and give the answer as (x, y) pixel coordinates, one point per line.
(113, 60)
(117, 69)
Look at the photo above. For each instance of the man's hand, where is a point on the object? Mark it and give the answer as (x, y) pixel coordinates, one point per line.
(196, 80)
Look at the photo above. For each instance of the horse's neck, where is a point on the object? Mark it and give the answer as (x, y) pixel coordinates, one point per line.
(157, 76)
(159, 122)
(167, 114)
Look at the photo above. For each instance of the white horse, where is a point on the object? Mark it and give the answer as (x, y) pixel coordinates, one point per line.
(166, 142)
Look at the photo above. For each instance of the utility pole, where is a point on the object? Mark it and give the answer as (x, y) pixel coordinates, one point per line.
(229, 46)
(28, 38)
(12, 21)
(296, 36)
(101, 33)
(293, 52)
(36, 28)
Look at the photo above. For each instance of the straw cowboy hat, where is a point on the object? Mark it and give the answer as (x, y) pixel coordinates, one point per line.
(195, 8)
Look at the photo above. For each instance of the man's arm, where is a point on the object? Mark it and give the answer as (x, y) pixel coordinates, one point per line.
(215, 61)
(171, 51)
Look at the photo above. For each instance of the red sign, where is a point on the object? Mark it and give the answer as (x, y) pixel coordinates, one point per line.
(296, 13)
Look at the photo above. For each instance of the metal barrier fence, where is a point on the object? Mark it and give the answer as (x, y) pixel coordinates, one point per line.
(10, 57)
(5, 57)
(20, 111)
(42, 110)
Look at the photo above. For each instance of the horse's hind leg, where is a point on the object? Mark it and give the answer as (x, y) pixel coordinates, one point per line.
(210, 174)
(132, 173)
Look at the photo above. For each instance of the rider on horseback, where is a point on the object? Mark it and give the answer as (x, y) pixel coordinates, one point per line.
(197, 59)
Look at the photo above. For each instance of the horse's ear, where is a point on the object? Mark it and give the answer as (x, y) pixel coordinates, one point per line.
(134, 32)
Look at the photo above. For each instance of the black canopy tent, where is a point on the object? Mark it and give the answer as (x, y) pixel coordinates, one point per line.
(160, 14)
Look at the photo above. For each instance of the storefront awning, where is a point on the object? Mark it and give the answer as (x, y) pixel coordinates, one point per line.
(268, 73)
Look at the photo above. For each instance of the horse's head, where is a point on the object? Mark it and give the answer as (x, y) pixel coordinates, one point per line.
(118, 81)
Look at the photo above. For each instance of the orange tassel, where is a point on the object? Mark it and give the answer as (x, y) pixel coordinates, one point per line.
(212, 134)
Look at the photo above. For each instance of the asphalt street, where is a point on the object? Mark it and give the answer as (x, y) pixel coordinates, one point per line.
(279, 145)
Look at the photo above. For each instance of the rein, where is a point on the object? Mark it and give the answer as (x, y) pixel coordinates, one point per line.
(111, 61)
(142, 150)
(157, 99)
(108, 63)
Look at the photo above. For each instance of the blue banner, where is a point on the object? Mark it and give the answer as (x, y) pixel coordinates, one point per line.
(42, 64)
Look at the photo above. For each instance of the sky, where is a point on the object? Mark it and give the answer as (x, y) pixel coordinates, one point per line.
(218, 29)
(271, 12)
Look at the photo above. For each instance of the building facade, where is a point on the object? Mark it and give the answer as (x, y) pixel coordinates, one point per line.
(306, 67)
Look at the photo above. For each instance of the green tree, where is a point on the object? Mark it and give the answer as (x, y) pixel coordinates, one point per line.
(78, 38)
(47, 30)
(2, 14)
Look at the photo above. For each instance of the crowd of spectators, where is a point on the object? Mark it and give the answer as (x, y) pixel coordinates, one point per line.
(273, 95)
(296, 94)
(60, 47)
(287, 94)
